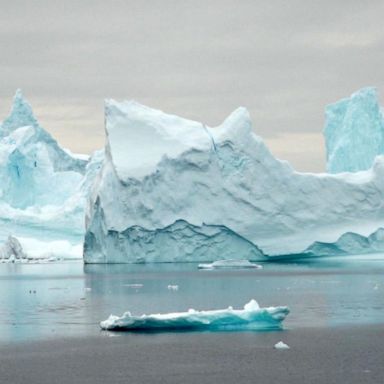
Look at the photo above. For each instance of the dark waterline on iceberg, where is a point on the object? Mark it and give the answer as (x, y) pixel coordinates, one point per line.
(40, 301)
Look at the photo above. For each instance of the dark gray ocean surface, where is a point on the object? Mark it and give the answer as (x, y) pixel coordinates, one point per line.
(69, 299)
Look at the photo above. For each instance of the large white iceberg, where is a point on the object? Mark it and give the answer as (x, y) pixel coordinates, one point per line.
(43, 188)
(354, 132)
(172, 189)
(252, 317)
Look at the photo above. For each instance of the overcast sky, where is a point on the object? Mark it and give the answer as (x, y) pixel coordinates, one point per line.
(283, 60)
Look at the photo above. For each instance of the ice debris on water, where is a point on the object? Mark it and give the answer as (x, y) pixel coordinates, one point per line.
(250, 317)
(134, 286)
(231, 264)
(173, 287)
(281, 345)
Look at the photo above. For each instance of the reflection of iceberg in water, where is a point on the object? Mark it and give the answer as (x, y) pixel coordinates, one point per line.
(251, 317)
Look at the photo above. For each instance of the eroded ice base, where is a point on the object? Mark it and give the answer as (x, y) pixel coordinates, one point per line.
(250, 317)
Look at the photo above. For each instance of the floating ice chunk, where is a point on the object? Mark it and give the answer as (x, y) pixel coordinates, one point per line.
(281, 345)
(173, 287)
(233, 264)
(134, 286)
(251, 317)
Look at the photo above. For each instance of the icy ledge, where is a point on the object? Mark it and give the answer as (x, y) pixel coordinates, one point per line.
(252, 317)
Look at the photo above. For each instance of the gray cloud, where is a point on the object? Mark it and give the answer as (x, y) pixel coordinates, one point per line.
(283, 60)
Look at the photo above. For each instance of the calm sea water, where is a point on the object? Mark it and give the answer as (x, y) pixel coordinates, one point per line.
(39, 301)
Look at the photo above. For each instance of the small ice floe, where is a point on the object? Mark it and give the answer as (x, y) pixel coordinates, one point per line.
(251, 317)
(134, 286)
(281, 345)
(231, 264)
(173, 287)
(87, 289)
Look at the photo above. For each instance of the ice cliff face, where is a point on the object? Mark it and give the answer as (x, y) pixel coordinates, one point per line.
(168, 184)
(354, 132)
(43, 188)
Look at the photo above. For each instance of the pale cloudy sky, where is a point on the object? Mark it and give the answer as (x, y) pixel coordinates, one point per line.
(283, 60)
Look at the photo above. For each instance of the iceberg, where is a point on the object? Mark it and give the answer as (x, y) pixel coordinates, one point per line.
(354, 132)
(44, 187)
(230, 264)
(12, 250)
(175, 190)
(251, 317)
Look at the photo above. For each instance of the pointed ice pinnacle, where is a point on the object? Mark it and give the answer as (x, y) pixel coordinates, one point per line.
(21, 115)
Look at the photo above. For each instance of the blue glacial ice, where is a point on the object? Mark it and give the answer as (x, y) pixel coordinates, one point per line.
(251, 317)
(354, 132)
(44, 187)
(172, 189)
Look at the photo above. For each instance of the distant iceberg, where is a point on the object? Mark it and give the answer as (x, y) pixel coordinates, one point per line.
(354, 132)
(12, 250)
(175, 190)
(230, 264)
(252, 317)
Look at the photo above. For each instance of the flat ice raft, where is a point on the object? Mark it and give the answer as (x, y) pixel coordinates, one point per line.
(251, 317)
(230, 264)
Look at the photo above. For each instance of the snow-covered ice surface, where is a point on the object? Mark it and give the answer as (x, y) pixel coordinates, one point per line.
(173, 190)
(230, 264)
(250, 317)
(354, 132)
(43, 188)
